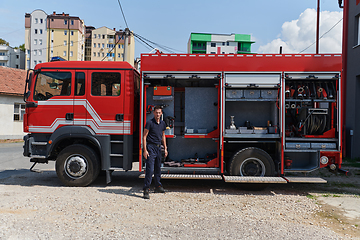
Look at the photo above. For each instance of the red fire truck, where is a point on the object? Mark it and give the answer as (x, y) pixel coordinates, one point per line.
(236, 118)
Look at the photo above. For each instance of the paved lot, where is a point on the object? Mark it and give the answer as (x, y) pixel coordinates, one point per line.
(191, 209)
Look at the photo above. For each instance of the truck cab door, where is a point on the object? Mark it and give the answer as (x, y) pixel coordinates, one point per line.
(80, 102)
(105, 110)
(53, 101)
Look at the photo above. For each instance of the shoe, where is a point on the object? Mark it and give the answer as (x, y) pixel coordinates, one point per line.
(146, 194)
(159, 189)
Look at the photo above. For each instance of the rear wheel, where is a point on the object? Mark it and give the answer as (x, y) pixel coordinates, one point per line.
(253, 162)
(77, 165)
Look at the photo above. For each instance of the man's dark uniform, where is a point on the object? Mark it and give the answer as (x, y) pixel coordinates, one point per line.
(153, 145)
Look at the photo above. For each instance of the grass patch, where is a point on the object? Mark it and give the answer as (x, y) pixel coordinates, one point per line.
(336, 195)
(311, 196)
(351, 162)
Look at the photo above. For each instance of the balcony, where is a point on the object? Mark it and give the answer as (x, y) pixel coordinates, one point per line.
(4, 58)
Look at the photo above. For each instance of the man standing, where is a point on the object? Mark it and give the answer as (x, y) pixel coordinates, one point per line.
(154, 135)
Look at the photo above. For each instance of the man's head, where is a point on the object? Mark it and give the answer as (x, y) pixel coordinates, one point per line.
(157, 112)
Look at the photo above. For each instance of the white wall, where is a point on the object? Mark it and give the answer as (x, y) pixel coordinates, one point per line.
(10, 129)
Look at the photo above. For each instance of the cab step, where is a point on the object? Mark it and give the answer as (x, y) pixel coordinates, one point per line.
(304, 179)
(187, 176)
(247, 179)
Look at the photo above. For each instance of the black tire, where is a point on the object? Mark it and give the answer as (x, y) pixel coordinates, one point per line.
(252, 162)
(77, 165)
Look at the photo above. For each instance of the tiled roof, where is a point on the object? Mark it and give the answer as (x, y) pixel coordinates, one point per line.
(12, 81)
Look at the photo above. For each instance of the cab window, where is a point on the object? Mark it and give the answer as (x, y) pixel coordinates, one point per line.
(105, 84)
(49, 84)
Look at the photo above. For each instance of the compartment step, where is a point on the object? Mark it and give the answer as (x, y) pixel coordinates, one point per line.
(240, 179)
(116, 141)
(187, 176)
(116, 155)
(304, 179)
(39, 143)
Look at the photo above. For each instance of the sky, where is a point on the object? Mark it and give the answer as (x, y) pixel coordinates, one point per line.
(271, 24)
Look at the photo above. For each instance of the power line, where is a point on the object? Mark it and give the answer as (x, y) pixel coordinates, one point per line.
(168, 49)
(123, 14)
(322, 35)
(143, 44)
(115, 44)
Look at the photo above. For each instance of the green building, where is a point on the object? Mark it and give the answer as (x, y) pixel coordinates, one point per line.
(208, 43)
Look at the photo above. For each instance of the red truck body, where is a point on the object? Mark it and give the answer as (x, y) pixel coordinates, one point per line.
(238, 118)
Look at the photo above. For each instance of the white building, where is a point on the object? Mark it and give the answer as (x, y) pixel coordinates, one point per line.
(12, 106)
(10, 57)
(35, 38)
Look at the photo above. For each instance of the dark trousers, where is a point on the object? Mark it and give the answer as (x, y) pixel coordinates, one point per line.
(153, 166)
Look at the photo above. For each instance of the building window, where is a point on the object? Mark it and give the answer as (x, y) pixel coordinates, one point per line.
(119, 46)
(102, 55)
(122, 56)
(65, 32)
(19, 110)
(65, 42)
(28, 52)
(227, 43)
(17, 56)
(40, 41)
(72, 22)
(40, 52)
(72, 33)
(122, 45)
(213, 44)
(118, 55)
(64, 54)
(71, 53)
(35, 20)
(17, 66)
(103, 36)
(35, 41)
(35, 31)
(94, 45)
(35, 52)
(94, 54)
(71, 43)
(103, 45)
(99, 36)
(94, 35)
(98, 54)
(41, 20)
(35, 63)
(65, 22)
(40, 31)
(40, 61)
(212, 52)
(98, 45)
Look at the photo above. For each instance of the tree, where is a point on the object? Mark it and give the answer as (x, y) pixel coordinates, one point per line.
(22, 47)
(3, 42)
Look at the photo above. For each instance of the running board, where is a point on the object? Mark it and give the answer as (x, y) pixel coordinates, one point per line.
(304, 179)
(240, 179)
(187, 176)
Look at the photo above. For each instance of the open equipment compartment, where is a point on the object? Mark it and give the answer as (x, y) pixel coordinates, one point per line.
(311, 119)
(252, 103)
(192, 101)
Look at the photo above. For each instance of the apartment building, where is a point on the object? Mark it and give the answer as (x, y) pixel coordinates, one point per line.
(207, 43)
(11, 57)
(108, 45)
(54, 35)
(65, 37)
(35, 38)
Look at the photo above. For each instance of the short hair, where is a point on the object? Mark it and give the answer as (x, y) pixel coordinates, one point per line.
(157, 107)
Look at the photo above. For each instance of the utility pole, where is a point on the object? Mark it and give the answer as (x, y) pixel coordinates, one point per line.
(317, 26)
(126, 40)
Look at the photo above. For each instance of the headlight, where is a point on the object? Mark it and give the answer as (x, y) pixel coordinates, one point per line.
(324, 160)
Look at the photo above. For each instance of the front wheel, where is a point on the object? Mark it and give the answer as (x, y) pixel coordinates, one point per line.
(77, 165)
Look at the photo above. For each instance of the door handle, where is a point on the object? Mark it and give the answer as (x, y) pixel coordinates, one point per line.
(119, 117)
(69, 116)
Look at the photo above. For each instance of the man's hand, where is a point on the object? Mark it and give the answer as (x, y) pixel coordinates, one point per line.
(146, 154)
(166, 152)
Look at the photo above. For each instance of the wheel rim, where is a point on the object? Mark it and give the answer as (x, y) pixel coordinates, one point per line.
(252, 167)
(76, 166)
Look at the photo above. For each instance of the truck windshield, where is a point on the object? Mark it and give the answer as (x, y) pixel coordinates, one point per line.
(49, 84)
